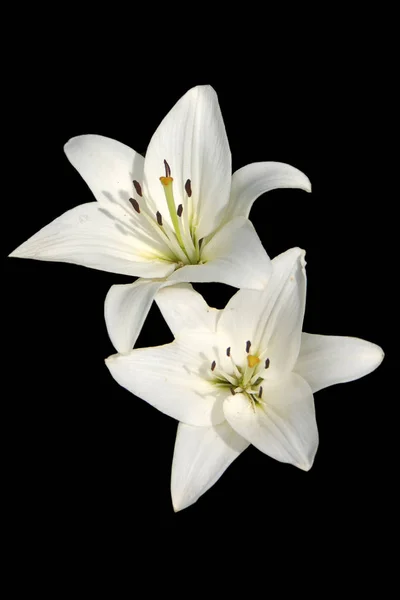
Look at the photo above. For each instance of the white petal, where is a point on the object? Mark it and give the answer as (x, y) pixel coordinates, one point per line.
(234, 256)
(171, 378)
(285, 427)
(95, 237)
(271, 319)
(184, 308)
(249, 182)
(107, 166)
(201, 456)
(192, 139)
(126, 308)
(326, 359)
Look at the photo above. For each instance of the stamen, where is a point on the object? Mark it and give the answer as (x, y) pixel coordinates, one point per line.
(200, 242)
(232, 391)
(228, 351)
(179, 210)
(213, 365)
(260, 391)
(267, 362)
(135, 204)
(188, 188)
(137, 187)
(167, 169)
(159, 218)
(248, 345)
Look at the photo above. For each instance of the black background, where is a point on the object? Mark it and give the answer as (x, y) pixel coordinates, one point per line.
(86, 458)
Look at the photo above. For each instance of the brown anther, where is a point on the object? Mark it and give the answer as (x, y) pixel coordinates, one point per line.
(213, 365)
(159, 218)
(135, 204)
(260, 391)
(228, 351)
(137, 187)
(267, 363)
(200, 242)
(248, 344)
(188, 188)
(167, 169)
(232, 391)
(179, 210)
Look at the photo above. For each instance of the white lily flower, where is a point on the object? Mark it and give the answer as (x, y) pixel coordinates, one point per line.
(242, 375)
(189, 223)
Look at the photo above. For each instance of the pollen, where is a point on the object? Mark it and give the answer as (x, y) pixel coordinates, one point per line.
(166, 181)
(252, 360)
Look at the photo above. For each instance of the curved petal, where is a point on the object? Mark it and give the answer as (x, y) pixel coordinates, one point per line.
(126, 308)
(184, 308)
(284, 426)
(107, 166)
(325, 360)
(271, 319)
(192, 139)
(201, 456)
(92, 236)
(170, 378)
(234, 256)
(249, 182)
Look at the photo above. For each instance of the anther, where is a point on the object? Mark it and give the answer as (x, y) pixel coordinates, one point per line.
(260, 391)
(137, 187)
(248, 344)
(213, 365)
(188, 188)
(228, 351)
(167, 169)
(179, 210)
(267, 363)
(159, 218)
(135, 204)
(232, 391)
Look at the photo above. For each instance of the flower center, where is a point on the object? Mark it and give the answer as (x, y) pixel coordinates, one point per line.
(246, 377)
(181, 241)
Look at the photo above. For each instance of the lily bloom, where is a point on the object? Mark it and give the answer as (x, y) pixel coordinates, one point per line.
(177, 215)
(242, 375)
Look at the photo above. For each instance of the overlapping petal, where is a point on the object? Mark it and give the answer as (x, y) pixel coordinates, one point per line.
(108, 167)
(201, 456)
(192, 139)
(284, 426)
(234, 256)
(93, 236)
(271, 320)
(325, 360)
(171, 378)
(184, 308)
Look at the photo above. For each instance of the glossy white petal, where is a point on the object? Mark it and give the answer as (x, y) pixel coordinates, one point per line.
(201, 456)
(326, 359)
(284, 427)
(192, 139)
(270, 320)
(184, 308)
(249, 182)
(126, 308)
(234, 256)
(107, 166)
(171, 378)
(92, 236)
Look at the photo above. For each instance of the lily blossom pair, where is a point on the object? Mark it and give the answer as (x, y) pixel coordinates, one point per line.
(177, 215)
(233, 377)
